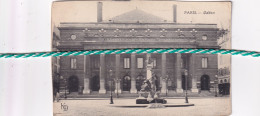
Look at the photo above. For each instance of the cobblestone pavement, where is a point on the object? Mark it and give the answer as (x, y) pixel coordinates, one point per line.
(101, 107)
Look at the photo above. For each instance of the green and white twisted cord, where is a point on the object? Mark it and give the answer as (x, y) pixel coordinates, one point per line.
(130, 51)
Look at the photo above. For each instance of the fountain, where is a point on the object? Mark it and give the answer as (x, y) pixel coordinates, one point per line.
(148, 93)
(149, 97)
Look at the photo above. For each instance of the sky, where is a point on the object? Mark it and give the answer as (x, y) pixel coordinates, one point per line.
(86, 11)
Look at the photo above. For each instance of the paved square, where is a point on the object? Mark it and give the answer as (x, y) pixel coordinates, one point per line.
(101, 107)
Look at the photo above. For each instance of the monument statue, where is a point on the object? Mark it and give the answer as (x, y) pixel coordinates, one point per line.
(148, 93)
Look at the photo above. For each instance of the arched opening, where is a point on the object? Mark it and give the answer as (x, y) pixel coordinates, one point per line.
(139, 82)
(126, 83)
(95, 83)
(73, 84)
(204, 82)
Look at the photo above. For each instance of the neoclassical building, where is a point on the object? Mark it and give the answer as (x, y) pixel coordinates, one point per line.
(124, 73)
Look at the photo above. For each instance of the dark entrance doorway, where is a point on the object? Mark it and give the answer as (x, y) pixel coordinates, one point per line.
(95, 83)
(204, 82)
(126, 83)
(73, 84)
(139, 82)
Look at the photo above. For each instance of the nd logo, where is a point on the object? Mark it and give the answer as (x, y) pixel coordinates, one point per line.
(64, 107)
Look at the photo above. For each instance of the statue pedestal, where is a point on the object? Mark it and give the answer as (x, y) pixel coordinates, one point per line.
(149, 88)
(144, 101)
(146, 98)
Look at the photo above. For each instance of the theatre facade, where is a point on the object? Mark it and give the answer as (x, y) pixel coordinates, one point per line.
(125, 73)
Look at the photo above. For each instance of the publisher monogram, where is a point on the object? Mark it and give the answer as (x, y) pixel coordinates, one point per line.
(64, 107)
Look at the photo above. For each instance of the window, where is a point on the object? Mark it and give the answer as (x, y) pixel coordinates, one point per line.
(153, 62)
(204, 37)
(126, 62)
(224, 71)
(140, 63)
(73, 63)
(220, 71)
(204, 62)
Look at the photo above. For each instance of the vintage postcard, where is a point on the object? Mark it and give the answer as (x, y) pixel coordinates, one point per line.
(181, 84)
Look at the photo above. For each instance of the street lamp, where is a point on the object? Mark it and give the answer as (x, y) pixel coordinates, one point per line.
(186, 86)
(216, 83)
(111, 97)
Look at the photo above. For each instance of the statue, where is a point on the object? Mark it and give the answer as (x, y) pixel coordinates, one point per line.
(149, 87)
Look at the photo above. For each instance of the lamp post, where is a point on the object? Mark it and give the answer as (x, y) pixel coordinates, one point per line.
(186, 86)
(216, 83)
(111, 97)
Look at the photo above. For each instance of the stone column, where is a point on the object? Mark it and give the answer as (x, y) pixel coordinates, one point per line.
(133, 67)
(148, 67)
(162, 81)
(178, 73)
(192, 75)
(102, 72)
(86, 74)
(117, 84)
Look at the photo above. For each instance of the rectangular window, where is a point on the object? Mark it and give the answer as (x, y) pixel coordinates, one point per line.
(73, 63)
(140, 63)
(204, 62)
(126, 62)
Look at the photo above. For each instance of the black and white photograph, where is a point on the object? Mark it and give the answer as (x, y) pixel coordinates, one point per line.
(141, 84)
